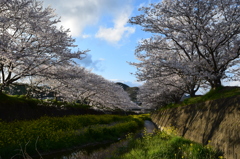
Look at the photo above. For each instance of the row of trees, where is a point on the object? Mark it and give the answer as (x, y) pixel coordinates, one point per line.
(77, 84)
(33, 47)
(195, 43)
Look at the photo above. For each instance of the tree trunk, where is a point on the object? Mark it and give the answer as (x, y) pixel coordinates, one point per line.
(1, 88)
(216, 83)
(192, 94)
(193, 89)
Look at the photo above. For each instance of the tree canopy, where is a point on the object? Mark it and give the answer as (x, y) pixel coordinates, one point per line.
(193, 40)
(30, 42)
(34, 49)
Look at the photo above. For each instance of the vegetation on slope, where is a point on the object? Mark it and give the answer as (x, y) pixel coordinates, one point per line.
(11, 100)
(55, 133)
(124, 86)
(19, 107)
(220, 92)
(164, 145)
(132, 91)
(160, 144)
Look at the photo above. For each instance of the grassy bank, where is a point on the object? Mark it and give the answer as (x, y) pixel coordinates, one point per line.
(12, 100)
(221, 92)
(19, 107)
(55, 133)
(164, 145)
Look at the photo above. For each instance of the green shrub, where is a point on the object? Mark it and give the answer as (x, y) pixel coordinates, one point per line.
(52, 133)
(164, 146)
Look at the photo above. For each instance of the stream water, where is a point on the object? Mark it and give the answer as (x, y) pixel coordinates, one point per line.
(69, 153)
(148, 125)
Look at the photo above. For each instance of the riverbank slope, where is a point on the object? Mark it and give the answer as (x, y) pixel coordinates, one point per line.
(214, 122)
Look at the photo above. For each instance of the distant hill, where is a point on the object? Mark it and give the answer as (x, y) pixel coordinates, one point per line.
(124, 86)
(132, 91)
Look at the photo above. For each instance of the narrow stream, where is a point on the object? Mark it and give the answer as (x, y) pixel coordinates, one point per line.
(68, 153)
(148, 125)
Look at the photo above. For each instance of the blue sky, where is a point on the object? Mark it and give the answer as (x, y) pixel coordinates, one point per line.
(102, 27)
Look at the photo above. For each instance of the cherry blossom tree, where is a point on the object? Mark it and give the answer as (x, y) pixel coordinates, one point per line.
(154, 94)
(199, 38)
(30, 42)
(75, 83)
(32, 46)
(165, 66)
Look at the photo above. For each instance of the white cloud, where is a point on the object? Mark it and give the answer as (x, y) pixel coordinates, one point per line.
(76, 14)
(79, 14)
(92, 64)
(84, 36)
(145, 4)
(120, 30)
(101, 59)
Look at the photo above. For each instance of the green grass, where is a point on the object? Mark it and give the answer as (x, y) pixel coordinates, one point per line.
(22, 99)
(54, 133)
(221, 92)
(165, 146)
